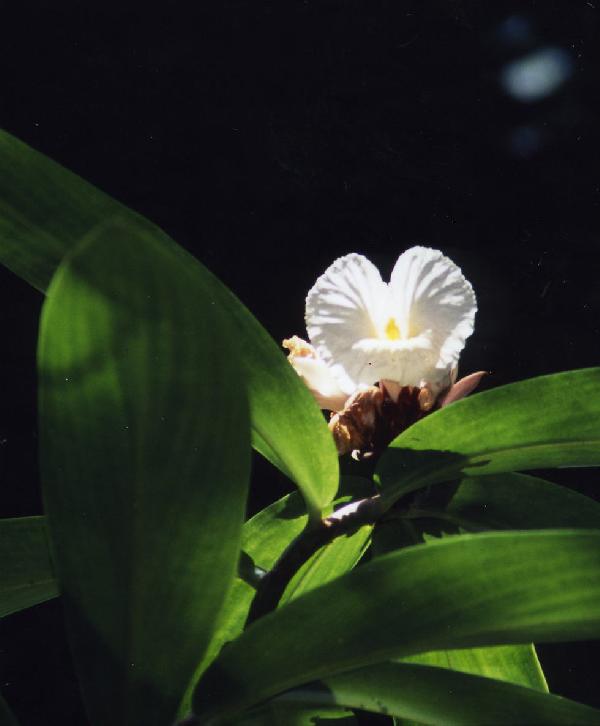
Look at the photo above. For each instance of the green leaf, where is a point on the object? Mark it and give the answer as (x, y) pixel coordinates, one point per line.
(513, 663)
(339, 556)
(516, 664)
(519, 501)
(438, 696)
(26, 572)
(287, 424)
(509, 501)
(7, 717)
(145, 478)
(265, 449)
(46, 210)
(333, 560)
(264, 538)
(544, 422)
(288, 713)
(460, 592)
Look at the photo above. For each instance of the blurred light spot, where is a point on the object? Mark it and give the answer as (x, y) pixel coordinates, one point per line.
(538, 74)
(525, 141)
(515, 30)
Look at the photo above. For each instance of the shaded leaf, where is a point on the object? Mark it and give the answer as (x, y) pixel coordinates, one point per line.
(7, 717)
(144, 477)
(26, 571)
(264, 538)
(286, 421)
(289, 713)
(439, 696)
(519, 501)
(46, 210)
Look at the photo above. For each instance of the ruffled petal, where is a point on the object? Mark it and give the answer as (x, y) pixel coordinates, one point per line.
(410, 331)
(315, 374)
(346, 305)
(407, 362)
(431, 298)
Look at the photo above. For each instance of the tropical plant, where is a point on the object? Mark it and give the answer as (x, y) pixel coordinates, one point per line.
(411, 584)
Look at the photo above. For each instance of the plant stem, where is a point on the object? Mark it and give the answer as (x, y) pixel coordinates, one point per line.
(315, 535)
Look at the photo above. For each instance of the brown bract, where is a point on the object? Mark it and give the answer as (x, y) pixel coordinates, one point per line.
(373, 417)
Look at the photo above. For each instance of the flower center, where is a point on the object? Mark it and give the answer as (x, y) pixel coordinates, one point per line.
(392, 331)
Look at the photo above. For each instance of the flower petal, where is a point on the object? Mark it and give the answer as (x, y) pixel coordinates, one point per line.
(345, 305)
(430, 293)
(315, 374)
(407, 362)
(410, 331)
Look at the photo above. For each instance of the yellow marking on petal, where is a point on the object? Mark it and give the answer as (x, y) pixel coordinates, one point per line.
(392, 331)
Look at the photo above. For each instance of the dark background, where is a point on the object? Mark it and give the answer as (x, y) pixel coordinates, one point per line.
(271, 137)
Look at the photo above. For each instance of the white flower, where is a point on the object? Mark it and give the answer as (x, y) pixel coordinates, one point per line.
(315, 373)
(408, 332)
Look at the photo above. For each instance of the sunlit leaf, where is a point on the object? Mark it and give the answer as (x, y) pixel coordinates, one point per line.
(516, 664)
(513, 663)
(543, 422)
(340, 555)
(460, 592)
(508, 501)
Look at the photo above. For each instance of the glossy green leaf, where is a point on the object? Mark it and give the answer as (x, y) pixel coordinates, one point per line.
(544, 422)
(460, 592)
(333, 560)
(513, 663)
(439, 696)
(509, 501)
(337, 557)
(46, 210)
(145, 479)
(26, 572)
(516, 664)
(264, 538)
